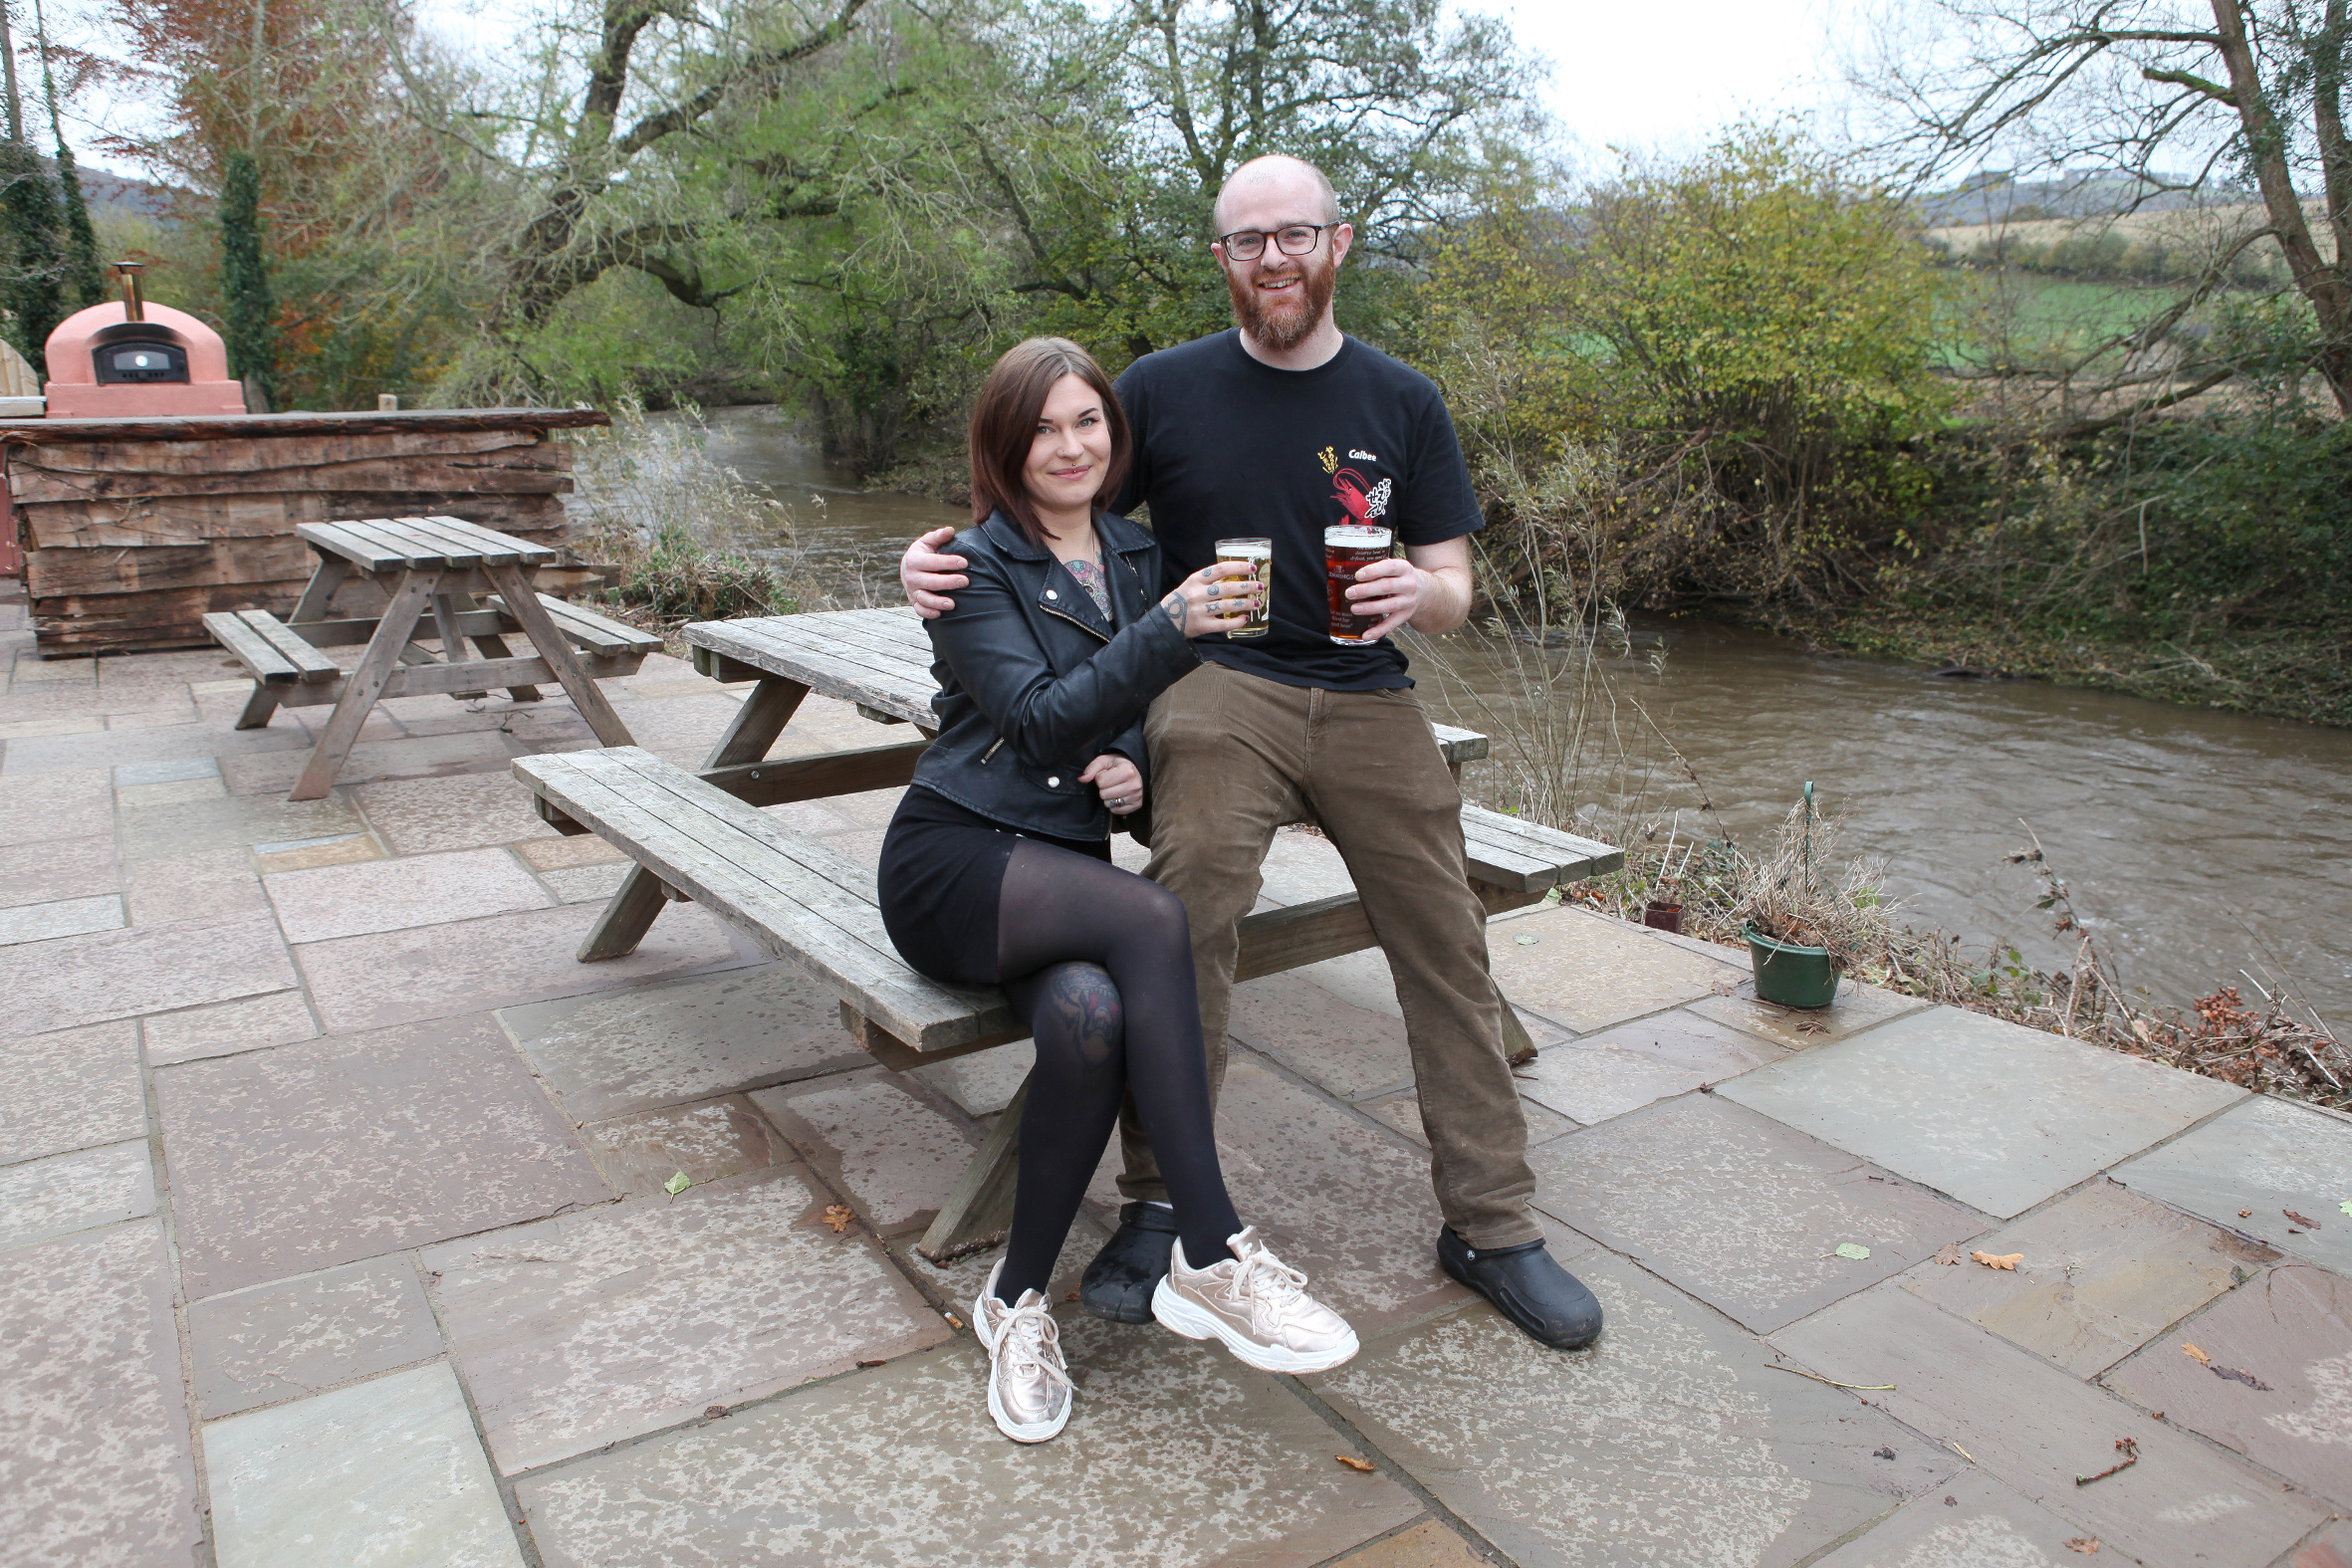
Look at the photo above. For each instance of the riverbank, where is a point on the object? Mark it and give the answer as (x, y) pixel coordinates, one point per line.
(2304, 675)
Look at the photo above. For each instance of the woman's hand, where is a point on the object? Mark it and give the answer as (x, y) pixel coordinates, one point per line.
(1215, 598)
(1117, 779)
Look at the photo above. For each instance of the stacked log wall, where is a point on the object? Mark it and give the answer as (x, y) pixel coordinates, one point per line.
(135, 530)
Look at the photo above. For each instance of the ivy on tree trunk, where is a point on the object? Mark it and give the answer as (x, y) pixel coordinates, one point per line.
(245, 279)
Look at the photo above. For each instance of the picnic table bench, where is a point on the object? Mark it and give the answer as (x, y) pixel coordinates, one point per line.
(475, 582)
(701, 836)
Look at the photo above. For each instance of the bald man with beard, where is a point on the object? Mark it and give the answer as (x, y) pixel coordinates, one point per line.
(1279, 427)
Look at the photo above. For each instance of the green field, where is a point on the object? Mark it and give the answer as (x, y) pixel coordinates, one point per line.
(2034, 322)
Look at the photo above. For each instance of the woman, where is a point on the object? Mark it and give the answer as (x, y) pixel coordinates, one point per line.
(997, 872)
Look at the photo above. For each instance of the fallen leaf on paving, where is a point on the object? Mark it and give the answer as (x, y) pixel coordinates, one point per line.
(1884, 1454)
(2239, 1276)
(839, 1217)
(873, 1363)
(2236, 1375)
(2085, 1544)
(1524, 942)
(1950, 1502)
(1852, 1249)
(1354, 1463)
(2007, 1260)
(677, 1184)
(2309, 1224)
(1949, 1255)
(2245, 1214)
(1810, 1028)
(2197, 1355)
(1072, 1296)
(2347, 1205)
(714, 1412)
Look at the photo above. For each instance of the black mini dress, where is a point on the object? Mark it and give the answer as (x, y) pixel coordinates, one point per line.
(942, 874)
(941, 878)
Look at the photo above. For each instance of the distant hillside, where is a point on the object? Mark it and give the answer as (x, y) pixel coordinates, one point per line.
(110, 192)
(1998, 196)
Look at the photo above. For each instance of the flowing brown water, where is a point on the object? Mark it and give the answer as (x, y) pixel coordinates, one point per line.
(2197, 843)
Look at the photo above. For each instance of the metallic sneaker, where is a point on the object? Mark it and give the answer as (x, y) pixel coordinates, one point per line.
(1029, 1390)
(1258, 1304)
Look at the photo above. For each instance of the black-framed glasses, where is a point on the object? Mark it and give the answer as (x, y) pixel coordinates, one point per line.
(1295, 239)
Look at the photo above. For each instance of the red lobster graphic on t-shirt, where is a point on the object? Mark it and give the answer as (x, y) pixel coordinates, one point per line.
(1362, 503)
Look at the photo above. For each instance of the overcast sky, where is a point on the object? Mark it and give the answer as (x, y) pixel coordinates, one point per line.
(1618, 78)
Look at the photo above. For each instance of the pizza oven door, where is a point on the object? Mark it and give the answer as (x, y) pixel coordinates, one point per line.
(138, 354)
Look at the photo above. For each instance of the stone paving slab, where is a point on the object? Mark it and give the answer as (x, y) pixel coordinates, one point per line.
(95, 1455)
(60, 868)
(581, 849)
(419, 816)
(1857, 1008)
(385, 1474)
(44, 807)
(301, 855)
(894, 1155)
(585, 884)
(394, 895)
(1630, 1066)
(2265, 1156)
(590, 1328)
(1740, 1211)
(2330, 1548)
(653, 1046)
(295, 1337)
(1176, 1456)
(20, 728)
(2289, 1329)
(1428, 1544)
(65, 1192)
(2037, 1427)
(500, 961)
(228, 1027)
(234, 821)
(67, 918)
(1337, 1197)
(1667, 1443)
(1996, 1114)
(2102, 1271)
(373, 762)
(640, 1153)
(292, 1160)
(1585, 972)
(984, 1082)
(209, 788)
(1970, 1522)
(199, 887)
(60, 753)
(72, 1089)
(1349, 1052)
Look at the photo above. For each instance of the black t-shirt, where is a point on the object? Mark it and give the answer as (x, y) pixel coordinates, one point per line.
(1229, 448)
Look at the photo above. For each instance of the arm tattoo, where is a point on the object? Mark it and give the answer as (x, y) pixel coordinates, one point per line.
(1174, 606)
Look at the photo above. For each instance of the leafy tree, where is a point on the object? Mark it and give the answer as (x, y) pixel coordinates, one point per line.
(2193, 98)
(31, 227)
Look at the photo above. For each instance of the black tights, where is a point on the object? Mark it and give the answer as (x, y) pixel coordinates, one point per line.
(1098, 962)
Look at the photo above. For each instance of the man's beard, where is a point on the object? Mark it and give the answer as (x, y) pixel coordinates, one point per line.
(1279, 326)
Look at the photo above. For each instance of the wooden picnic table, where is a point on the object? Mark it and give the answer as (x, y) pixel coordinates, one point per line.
(692, 839)
(474, 581)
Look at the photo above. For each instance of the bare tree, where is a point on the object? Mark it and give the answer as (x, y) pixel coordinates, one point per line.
(2194, 98)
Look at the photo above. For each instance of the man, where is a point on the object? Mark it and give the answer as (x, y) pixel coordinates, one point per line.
(1280, 428)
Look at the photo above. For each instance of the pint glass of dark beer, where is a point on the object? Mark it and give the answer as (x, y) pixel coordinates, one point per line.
(1348, 549)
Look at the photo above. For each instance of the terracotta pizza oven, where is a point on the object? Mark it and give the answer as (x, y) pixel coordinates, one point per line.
(127, 360)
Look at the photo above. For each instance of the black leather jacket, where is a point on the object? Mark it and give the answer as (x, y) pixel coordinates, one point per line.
(1034, 684)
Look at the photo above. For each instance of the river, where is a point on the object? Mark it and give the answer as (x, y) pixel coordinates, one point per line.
(2195, 843)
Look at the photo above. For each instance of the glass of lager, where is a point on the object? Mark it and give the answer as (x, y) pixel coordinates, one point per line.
(1348, 549)
(1258, 556)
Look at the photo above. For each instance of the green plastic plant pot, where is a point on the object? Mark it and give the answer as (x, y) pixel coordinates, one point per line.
(1794, 977)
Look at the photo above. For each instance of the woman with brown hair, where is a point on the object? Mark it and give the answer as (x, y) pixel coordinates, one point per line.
(997, 870)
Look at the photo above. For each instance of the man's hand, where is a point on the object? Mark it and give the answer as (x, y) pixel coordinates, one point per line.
(1429, 589)
(1118, 781)
(928, 577)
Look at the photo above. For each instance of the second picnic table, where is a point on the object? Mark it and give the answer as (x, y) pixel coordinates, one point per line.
(700, 838)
